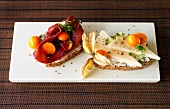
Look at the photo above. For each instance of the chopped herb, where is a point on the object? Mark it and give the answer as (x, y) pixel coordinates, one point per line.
(60, 25)
(117, 34)
(80, 21)
(142, 60)
(42, 36)
(130, 54)
(106, 41)
(70, 22)
(69, 28)
(113, 37)
(123, 34)
(140, 47)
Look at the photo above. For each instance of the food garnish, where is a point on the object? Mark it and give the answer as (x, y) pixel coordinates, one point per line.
(63, 36)
(87, 68)
(34, 41)
(133, 40)
(137, 38)
(103, 53)
(48, 48)
(142, 36)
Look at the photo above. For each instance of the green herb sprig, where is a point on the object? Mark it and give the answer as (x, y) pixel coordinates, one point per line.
(106, 41)
(140, 48)
(118, 35)
(80, 21)
(133, 55)
(67, 26)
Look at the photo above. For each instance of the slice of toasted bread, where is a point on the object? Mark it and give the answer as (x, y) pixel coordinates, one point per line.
(71, 54)
(113, 67)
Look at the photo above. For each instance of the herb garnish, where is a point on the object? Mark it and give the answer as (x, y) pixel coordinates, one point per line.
(80, 21)
(113, 37)
(123, 34)
(140, 48)
(130, 54)
(117, 34)
(106, 41)
(67, 26)
(133, 55)
(42, 35)
(142, 59)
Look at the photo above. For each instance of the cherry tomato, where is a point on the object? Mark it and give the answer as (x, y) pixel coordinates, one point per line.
(133, 40)
(63, 36)
(102, 52)
(67, 45)
(70, 45)
(48, 48)
(143, 37)
(34, 41)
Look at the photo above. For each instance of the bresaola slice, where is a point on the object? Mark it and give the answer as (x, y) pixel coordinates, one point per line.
(78, 30)
(51, 36)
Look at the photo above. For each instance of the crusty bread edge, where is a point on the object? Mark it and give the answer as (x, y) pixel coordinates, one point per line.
(71, 54)
(125, 68)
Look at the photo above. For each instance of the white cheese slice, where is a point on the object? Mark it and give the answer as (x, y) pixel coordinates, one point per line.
(150, 54)
(123, 57)
(101, 43)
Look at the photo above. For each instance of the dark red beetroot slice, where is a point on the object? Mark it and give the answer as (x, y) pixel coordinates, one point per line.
(51, 35)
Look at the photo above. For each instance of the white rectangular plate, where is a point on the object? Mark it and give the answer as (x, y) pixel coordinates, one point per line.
(24, 68)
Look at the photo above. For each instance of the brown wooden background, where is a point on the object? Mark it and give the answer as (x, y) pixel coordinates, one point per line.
(85, 95)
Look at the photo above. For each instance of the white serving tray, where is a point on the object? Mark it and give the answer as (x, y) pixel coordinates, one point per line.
(24, 68)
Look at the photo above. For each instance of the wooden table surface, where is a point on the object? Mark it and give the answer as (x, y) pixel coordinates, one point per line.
(85, 95)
